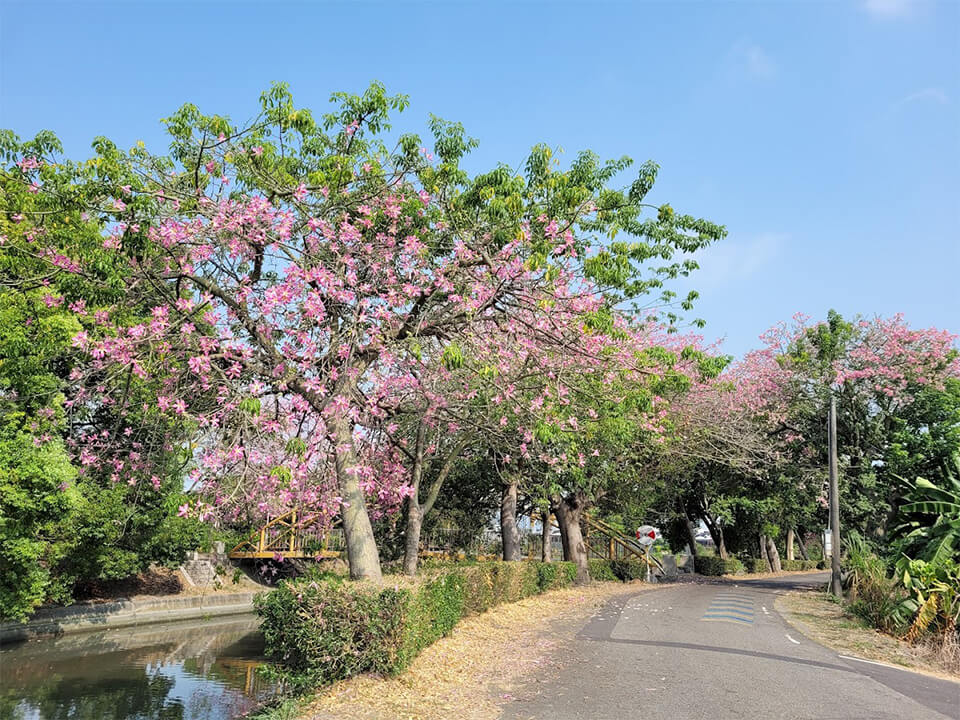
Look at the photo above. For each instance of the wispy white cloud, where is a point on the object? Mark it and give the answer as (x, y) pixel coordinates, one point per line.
(754, 61)
(890, 9)
(932, 94)
(735, 261)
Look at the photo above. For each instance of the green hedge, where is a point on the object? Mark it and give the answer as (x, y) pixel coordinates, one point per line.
(629, 569)
(714, 565)
(794, 565)
(624, 569)
(601, 569)
(322, 630)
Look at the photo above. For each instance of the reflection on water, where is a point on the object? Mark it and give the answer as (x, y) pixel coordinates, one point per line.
(197, 670)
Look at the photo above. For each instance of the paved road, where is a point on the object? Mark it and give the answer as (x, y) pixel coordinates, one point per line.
(721, 651)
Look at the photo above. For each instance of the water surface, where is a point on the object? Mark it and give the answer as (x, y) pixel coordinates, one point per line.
(195, 670)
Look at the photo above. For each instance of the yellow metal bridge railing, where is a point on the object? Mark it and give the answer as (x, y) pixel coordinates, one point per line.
(292, 535)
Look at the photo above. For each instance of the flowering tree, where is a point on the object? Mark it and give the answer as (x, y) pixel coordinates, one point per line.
(290, 267)
(876, 368)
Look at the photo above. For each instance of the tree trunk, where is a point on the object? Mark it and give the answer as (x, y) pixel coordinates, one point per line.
(362, 554)
(803, 548)
(411, 535)
(691, 535)
(411, 544)
(773, 555)
(568, 511)
(546, 554)
(416, 511)
(509, 532)
(716, 532)
(763, 552)
(790, 544)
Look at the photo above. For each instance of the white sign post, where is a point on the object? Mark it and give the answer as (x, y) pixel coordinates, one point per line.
(646, 535)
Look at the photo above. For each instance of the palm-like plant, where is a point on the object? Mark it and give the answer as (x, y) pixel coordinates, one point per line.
(930, 543)
(930, 519)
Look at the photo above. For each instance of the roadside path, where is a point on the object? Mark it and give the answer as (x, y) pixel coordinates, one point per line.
(720, 650)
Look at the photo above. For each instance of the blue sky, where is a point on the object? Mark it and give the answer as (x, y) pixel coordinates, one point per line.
(824, 135)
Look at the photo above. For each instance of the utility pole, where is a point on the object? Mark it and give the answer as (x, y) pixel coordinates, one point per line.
(835, 586)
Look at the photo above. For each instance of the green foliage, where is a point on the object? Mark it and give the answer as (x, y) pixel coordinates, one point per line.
(795, 565)
(35, 516)
(319, 630)
(914, 598)
(627, 569)
(930, 517)
(924, 435)
(933, 606)
(755, 565)
(873, 595)
(59, 527)
(601, 570)
(715, 565)
(556, 575)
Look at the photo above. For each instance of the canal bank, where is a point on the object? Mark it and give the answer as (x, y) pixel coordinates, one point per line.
(124, 613)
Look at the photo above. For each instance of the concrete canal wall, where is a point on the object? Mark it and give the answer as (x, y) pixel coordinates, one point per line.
(85, 617)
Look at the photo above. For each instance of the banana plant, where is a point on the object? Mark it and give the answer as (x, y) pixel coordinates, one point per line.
(934, 596)
(930, 517)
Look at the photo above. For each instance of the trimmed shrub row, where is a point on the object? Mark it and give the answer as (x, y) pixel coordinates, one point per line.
(623, 570)
(715, 565)
(794, 565)
(323, 630)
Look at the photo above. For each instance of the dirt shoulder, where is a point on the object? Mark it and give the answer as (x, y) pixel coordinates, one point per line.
(470, 674)
(825, 621)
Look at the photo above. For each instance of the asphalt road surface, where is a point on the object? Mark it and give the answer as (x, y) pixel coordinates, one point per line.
(721, 651)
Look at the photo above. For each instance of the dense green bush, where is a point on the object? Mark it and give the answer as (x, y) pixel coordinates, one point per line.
(319, 630)
(713, 565)
(756, 565)
(795, 565)
(601, 570)
(628, 569)
(872, 593)
(555, 575)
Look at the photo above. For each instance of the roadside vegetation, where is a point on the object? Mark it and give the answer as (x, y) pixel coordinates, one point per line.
(909, 587)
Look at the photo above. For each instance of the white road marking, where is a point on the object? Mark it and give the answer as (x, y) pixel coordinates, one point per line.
(764, 610)
(795, 642)
(874, 662)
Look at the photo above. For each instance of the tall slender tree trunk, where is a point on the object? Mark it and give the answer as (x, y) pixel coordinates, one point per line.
(411, 536)
(569, 510)
(362, 554)
(716, 532)
(546, 551)
(763, 551)
(509, 532)
(773, 555)
(691, 535)
(803, 548)
(417, 511)
(790, 544)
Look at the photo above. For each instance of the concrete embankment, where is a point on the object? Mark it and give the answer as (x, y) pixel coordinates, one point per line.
(86, 617)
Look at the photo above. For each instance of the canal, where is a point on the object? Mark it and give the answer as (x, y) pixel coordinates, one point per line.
(194, 670)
